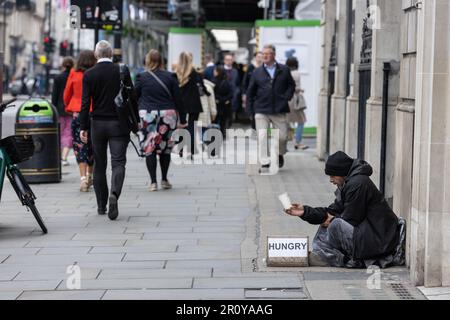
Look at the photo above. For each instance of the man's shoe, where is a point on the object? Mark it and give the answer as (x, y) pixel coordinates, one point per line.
(101, 211)
(355, 264)
(166, 185)
(315, 261)
(153, 187)
(280, 161)
(264, 169)
(113, 212)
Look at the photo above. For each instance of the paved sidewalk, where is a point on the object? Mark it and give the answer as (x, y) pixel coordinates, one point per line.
(202, 240)
(440, 293)
(179, 244)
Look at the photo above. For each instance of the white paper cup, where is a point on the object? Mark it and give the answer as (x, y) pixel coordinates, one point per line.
(285, 201)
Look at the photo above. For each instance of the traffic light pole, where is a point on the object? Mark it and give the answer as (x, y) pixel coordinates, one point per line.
(118, 46)
(97, 18)
(4, 27)
(48, 64)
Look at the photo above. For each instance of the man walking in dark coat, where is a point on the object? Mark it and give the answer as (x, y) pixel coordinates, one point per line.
(101, 85)
(268, 95)
(359, 229)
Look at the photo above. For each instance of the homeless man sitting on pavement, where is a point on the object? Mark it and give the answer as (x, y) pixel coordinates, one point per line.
(358, 229)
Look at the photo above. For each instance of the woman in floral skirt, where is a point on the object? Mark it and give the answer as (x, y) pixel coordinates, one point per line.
(72, 99)
(160, 109)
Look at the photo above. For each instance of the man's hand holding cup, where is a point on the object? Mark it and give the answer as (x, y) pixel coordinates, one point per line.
(296, 210)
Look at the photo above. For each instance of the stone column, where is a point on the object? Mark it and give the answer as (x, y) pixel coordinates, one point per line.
(328, 27)
(338, 100)
(351, 115)
(430, 214)
(385, 48)
(404, 127)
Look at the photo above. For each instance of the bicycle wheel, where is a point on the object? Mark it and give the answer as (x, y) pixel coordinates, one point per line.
(36, 215)
(25, 194)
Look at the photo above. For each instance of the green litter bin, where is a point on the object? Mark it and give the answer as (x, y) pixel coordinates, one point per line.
(39, 118)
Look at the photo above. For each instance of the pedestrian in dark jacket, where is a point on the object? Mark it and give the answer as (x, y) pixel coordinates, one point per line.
(191, 85)
(256, 63)
(268, 95)
(160, 110)
(65, 118)
(208, 73)
(101, 85)
(223, 95)
(359, 229)
(234, 80)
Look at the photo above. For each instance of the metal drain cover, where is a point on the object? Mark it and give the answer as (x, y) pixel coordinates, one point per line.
(400, 291)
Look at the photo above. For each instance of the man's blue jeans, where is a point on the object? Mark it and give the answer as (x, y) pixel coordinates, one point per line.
(299, 133)
(334, 244)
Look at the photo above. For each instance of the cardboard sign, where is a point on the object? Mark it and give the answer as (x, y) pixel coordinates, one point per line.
(287, 251)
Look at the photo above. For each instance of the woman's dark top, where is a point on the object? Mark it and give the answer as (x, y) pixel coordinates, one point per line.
(191, 95)
(151, 94)
(223, 95)
(58, 92)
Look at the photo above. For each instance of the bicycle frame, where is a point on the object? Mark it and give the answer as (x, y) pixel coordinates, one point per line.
(5, 162)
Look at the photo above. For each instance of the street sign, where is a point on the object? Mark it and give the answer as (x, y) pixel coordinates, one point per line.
(108, 15)
(287, 251)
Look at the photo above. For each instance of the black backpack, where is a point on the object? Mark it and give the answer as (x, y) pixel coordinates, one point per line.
(126, 102)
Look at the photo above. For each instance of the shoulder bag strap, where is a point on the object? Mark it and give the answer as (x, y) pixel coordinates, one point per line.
(161, 83)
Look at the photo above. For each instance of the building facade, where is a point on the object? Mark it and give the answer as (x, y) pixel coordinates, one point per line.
(385, 98)
(22, 39)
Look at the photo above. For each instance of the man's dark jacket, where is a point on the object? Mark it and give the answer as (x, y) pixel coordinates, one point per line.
(268, 96)
(361, 204)
(101, 84)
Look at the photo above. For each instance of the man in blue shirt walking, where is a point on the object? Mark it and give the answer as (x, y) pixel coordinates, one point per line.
(270, 90)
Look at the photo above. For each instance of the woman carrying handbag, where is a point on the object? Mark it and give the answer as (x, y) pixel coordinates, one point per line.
(191, 87)
(160, 110)
(297, 105)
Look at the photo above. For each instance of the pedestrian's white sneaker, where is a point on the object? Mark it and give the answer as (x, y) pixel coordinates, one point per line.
(65, 163)
(84, 186)
(166, 185)
(90, 180)
(153, 187)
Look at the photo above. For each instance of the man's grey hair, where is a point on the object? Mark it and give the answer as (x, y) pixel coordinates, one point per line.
(271, 47)
(103, 49)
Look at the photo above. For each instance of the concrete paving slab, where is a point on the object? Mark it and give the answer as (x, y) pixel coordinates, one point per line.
(136, 249)
(62, 295)
(136, 284)
(175, 294)
(250, 282)
(153, 273)
(28, 285)
(9, 295)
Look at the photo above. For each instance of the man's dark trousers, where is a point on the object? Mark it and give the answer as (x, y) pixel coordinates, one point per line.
(106, 133)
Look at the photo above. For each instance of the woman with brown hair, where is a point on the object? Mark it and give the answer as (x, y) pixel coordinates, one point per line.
(191, 86)
(72, 99)
(160, 110)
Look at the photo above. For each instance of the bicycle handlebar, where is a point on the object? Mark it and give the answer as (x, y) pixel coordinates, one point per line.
(5, 104)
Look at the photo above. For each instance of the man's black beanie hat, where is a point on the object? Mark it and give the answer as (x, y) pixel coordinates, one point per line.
(338, 164)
